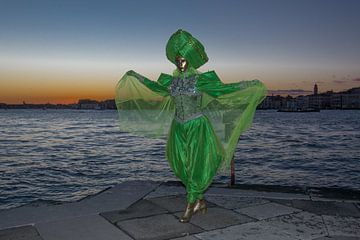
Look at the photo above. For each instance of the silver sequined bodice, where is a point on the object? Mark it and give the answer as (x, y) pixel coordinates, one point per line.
(186, 97)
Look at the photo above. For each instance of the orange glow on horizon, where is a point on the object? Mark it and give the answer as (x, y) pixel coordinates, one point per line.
(62, 86)
(40, 87)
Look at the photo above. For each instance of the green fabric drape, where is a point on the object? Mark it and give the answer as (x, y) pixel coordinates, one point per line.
(230, 108)
(144, 107)
(197, 148)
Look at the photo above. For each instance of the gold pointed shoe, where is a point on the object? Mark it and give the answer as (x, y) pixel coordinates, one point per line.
(200, 206)
(189, 211)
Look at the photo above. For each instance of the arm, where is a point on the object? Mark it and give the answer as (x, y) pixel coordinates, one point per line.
(211, 84)
(160, 86)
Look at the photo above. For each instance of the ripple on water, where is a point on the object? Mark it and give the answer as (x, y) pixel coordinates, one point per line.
(65, 155)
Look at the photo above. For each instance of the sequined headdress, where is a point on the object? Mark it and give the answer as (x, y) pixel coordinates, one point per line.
(185, 45)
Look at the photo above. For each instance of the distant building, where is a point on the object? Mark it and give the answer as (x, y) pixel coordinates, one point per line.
(109, 104)
(88, 104)
(3, 105)
(314, 101)
(325, 100)
(349, 99)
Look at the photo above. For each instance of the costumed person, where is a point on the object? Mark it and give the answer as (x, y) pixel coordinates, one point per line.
(201, 117)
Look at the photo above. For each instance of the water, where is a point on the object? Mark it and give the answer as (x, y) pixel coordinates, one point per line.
(64, 155)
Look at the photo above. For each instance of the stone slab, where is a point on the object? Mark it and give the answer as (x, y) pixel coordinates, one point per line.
(166, 190)
(334, 194)
(327, 207)
(267, 210)
(218, 218)
(20, 233)
(314, 198)
(303, 225)
(344, 226)
(173, 203)
(157, 227)
(248, 231)
(92, 227)
(357, 204)
(170, 203)
(337, 238)
(186, 238)
(286, 202)
(235, 202)
(118, 197)
(252, 193)
(142, 208)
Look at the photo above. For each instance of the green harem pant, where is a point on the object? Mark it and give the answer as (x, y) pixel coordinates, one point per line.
(194, 153)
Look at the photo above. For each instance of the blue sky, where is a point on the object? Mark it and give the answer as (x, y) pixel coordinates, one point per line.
(72, 49)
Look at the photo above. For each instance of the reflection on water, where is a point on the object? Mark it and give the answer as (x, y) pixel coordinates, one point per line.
(64, 155)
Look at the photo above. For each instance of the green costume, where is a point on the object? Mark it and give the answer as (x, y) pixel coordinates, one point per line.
(201, 117)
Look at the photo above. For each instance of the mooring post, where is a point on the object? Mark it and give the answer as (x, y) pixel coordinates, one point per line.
(229, 126)
(232, 173)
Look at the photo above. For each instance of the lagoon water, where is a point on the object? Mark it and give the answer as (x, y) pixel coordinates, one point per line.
(64, 155)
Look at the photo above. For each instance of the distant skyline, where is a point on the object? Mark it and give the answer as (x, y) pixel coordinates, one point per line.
(62, 51)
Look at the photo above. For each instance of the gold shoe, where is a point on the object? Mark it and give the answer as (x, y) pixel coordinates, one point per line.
(200, 206)
(189, 211)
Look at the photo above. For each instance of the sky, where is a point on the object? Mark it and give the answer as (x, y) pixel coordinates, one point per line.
(59, 51)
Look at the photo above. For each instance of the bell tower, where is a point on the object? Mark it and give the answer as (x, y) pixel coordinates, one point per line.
(315, 89)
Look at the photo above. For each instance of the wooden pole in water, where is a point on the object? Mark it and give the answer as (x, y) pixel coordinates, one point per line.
(228, 127)
(232, 173)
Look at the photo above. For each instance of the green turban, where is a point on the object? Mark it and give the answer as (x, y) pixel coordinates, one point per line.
(185, 45)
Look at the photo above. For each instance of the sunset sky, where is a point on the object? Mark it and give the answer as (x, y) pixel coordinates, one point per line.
(59, 51)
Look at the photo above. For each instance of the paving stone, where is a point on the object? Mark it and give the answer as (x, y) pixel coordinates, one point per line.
(286, 202)
(173, 203)
(166, 190)
(337, 238)
(157, 227)
(333, 194)
(142, 208)
(218, 218)
(345, 226)
(267, 210)
(327, 207)
(252, 193)
(92, 227)
(357, 204)
(248, 231)
(186, 238)
(20, 233)
(120, 196)
(235, 202)
(314, 198)
(115, 198)
(303, 225)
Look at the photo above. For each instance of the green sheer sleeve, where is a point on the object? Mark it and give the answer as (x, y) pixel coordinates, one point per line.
(160, 86)
(230, 107)
(145, 107)
(213, 86)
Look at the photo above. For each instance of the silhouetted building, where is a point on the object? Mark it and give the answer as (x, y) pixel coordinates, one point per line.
(3, 105)
(349, 99)
(88, 104)
(109, 104)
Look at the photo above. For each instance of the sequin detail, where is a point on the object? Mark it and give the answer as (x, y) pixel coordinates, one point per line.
(186, 97)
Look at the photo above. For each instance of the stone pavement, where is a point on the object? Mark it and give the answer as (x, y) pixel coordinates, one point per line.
(151, 210)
